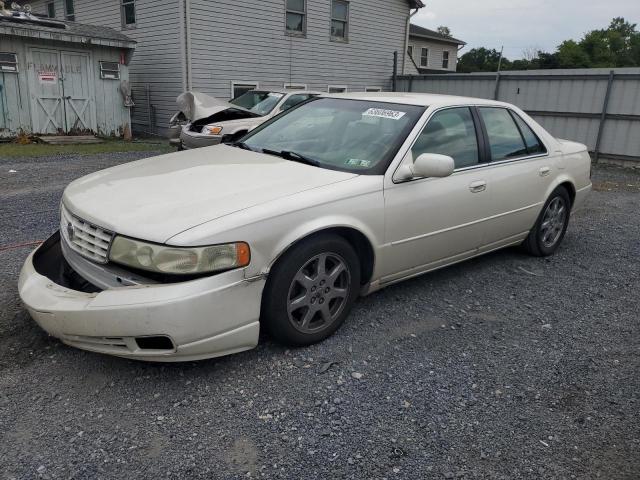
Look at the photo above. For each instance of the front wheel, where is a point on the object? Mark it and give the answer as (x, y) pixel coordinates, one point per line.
(548, 232)
(311, 290)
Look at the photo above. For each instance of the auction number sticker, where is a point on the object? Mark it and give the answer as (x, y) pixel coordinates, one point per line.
(383, 113)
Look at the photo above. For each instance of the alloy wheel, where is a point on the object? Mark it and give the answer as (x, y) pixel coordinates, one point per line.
(318, 293)
(553, 222)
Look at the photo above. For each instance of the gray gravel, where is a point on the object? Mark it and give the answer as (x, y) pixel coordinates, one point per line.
(506, 367)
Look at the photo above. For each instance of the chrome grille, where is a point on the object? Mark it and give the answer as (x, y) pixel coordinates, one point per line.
(88, 240)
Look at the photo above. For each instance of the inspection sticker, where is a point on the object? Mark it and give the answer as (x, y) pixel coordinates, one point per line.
(381, 112)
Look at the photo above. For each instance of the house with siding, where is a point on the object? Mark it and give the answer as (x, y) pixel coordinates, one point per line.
(429, 51)
(224, 47)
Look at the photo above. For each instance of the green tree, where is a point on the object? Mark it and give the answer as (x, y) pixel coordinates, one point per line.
(572, 55)
(481, 60)
(446, 31)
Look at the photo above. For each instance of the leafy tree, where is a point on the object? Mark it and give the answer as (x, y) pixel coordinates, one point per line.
(481, 60)
(446, 31)
(618, 45)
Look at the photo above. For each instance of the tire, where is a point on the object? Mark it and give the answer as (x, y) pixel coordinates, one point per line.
(301, 305)
(548, 232)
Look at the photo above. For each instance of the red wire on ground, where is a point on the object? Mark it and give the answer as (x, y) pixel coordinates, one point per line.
(20, 245)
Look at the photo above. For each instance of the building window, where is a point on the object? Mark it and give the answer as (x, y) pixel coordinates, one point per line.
(110, 70)
(340, 20)
(295, 86)
(373, 89)
(8, 62)
(51, 10)
(296, 18)
(410, 51)
(337, 89)
(445, 59)
(128, 12)
(69, 10)
(424, 57)
(240, 88)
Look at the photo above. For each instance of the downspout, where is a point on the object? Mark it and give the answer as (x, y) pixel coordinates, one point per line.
(183, 42)
(406, 41)
(188, 33)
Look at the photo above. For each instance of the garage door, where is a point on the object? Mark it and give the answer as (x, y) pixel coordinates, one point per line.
(61, 92)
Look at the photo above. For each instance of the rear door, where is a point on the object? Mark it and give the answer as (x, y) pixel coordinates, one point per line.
(521, 171)
(433, 221)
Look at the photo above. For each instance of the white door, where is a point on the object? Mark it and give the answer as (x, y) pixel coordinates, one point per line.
(435, 221)
(45, 83)
(77, 92)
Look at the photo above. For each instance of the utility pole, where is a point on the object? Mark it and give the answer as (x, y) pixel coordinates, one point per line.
(497, 87)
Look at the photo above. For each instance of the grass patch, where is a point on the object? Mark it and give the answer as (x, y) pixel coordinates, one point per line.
(110, 146)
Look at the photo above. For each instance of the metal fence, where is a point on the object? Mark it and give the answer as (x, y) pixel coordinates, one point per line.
(597, 107)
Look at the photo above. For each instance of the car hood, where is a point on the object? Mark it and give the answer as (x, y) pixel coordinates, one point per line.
(196, 105)
(156, 198)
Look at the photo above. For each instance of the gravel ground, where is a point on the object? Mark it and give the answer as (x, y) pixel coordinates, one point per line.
(506, 367)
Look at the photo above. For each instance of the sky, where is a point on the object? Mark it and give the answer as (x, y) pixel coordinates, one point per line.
(522, 24)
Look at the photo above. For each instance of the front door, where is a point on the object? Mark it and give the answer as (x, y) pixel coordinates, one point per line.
(61, 92)
(435, 221)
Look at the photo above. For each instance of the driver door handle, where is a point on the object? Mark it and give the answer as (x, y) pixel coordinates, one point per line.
(478, 186)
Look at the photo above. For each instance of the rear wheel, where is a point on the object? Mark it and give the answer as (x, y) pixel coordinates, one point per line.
(551, 226)
(311, 290)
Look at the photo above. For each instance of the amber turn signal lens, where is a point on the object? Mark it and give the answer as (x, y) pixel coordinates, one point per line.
(243, 254)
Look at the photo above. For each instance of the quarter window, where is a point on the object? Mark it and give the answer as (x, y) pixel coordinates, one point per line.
(450, 132)
(128, 12)
(339, 20)
(69, 10)
(424, 57)
(8, 62)
(296, 18)
(531, 140)
(445, 59)
(505, 139)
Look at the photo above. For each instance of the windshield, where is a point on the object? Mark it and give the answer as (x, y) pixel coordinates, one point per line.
(351, 135)
(258, 102)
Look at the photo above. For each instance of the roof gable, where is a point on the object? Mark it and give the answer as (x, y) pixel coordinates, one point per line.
(417, 31)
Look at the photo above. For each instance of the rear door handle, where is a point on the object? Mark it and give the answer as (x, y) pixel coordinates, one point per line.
(477, 187)
(544, 171)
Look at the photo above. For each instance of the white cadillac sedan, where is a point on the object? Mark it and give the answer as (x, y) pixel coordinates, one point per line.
(188, 255)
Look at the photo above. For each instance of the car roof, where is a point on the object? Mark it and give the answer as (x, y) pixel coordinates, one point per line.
(410, 98)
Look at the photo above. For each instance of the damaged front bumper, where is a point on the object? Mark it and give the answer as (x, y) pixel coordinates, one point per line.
(191, 320)
(191, 139)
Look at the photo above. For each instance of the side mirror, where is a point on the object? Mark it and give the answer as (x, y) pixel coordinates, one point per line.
(432, 165)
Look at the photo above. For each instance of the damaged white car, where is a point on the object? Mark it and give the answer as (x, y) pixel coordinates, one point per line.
(203, 121)
(189, 255)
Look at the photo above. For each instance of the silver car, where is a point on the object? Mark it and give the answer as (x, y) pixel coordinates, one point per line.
(210, 121)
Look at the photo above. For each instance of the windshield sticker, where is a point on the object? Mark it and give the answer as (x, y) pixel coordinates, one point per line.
(381, 112)
(356, 162)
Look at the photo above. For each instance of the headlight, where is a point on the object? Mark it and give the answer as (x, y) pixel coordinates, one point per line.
(179, 260)
(211, 130)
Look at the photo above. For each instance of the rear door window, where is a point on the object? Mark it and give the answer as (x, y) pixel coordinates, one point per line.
(534, 145)
(450, 132)
(505, 140)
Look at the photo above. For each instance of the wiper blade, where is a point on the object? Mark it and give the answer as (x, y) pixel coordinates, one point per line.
(293, 156)
(242, 145)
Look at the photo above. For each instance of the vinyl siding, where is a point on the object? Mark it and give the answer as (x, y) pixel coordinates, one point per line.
(246, 41)
(158, 57)
(435, 54)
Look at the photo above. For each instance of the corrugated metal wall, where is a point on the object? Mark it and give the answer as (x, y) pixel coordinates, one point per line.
(568, 103)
